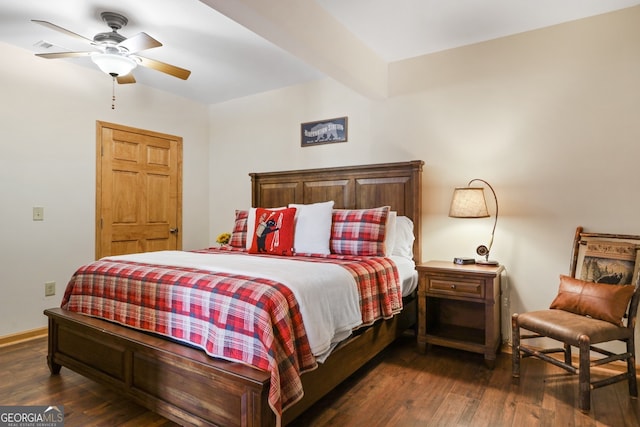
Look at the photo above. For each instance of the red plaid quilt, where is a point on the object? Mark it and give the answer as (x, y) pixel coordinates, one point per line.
(377, 279)
(378, 284)
(236, 317)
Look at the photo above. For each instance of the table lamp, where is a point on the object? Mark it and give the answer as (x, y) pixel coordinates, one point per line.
(469, 202)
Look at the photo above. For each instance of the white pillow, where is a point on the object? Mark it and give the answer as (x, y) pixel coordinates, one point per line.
(390, 233)
(403, 245)
(313, 228)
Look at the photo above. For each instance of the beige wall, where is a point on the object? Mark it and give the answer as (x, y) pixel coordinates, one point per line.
(549, 118)
(48, 116)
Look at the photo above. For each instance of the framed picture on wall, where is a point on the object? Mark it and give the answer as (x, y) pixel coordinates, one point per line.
(320, 132)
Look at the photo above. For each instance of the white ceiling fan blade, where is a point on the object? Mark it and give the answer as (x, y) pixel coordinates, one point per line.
(56, 55)
(141, 41)
(62, 30)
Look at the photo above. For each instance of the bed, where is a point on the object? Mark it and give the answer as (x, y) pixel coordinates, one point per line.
(186, 385)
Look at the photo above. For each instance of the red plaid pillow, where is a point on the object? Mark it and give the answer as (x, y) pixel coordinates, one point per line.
(239, 233)
(274, 230)
(359, 231)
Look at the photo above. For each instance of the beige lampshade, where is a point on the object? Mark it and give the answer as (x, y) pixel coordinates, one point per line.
(468, 202)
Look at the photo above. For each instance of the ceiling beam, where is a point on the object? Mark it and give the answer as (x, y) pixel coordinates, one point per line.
(306, 30)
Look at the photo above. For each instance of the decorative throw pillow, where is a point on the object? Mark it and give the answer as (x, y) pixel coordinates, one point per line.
(598, 300)
(313, 228)
(251, 219)
(273, 231)
(359, 231)
(239, 233)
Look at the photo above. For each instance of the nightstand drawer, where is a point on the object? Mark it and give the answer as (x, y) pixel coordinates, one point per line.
(463, 288)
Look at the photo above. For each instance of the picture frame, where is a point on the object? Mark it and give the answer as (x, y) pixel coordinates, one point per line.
(322, 132)
(608, 261)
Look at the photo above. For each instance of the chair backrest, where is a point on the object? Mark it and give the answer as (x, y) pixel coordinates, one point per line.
(609, 258)
(632, 312)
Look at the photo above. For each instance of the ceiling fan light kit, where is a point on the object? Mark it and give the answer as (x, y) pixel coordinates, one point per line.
(114, 65)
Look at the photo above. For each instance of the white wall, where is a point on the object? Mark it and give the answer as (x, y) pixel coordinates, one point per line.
(262, 133)
(549, 118)
(48, 119)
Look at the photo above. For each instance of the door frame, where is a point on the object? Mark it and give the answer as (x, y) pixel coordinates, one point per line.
(99, 158)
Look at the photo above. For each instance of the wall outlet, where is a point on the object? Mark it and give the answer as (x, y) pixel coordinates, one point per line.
(38, 213)
(49, 289)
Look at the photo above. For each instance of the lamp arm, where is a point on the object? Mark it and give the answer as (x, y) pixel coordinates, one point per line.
(495, 198)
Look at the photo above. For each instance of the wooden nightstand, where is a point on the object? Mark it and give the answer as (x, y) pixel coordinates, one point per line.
(459, 307)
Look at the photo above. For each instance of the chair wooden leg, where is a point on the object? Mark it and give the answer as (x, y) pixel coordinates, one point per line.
(567, 354)
(515, 347)
(631, 368)
(584, 374)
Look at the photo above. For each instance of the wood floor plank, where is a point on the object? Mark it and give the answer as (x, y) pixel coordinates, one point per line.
(398, 388)
(628, 406)
(530, 415)
(499, 389)
(451, 411)
(561, 398)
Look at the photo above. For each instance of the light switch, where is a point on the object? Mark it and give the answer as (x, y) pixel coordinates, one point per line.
(38, 214)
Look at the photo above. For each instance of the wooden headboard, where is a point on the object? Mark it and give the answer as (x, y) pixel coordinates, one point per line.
(398, 185)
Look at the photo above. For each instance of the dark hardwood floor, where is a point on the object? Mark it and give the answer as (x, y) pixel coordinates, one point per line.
(398, 388)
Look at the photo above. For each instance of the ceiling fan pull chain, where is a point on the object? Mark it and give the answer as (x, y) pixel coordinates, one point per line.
(113, 93)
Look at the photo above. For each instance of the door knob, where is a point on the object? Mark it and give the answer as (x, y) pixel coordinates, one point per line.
(173, 230)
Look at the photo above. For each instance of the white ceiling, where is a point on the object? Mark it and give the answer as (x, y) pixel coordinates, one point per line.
(271, 44)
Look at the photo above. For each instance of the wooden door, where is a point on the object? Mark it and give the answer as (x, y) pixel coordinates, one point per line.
(138, 190)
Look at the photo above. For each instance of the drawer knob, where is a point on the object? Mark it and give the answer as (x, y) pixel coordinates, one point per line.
(453, 286)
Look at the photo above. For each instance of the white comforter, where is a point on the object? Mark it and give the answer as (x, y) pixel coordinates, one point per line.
(327, 294)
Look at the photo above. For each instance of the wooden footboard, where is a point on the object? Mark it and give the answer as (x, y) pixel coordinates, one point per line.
(189, 387)
(176, 381)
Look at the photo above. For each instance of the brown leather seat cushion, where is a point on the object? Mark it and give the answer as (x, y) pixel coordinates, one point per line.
(568, 327)
(597, 300)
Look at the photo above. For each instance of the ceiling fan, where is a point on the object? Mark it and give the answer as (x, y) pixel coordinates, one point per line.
(115, 54)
